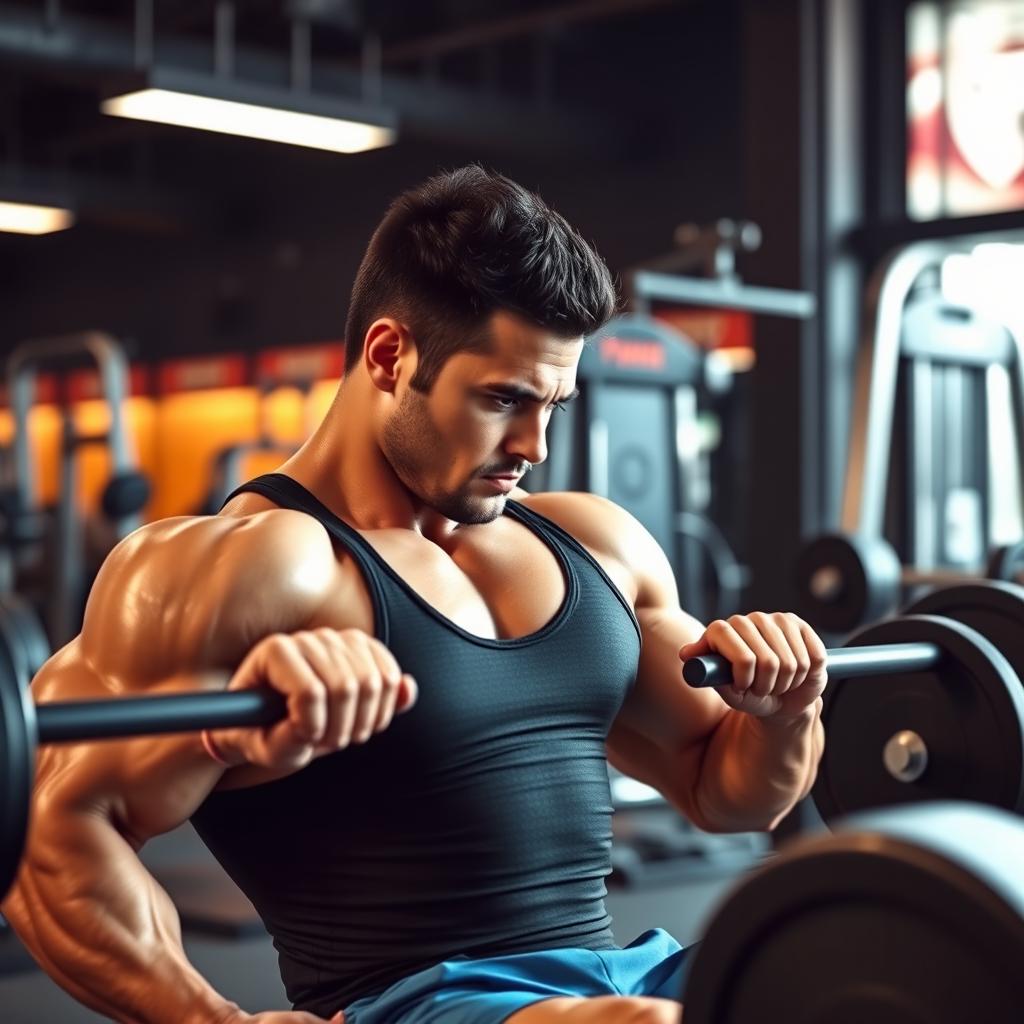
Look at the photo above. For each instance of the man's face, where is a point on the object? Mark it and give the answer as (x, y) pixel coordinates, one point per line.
(486, 416)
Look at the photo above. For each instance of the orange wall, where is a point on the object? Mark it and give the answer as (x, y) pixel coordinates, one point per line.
(176, 439)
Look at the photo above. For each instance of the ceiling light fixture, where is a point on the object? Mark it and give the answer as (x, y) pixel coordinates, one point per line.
(240, 108)
(31, 211)
(220, 102)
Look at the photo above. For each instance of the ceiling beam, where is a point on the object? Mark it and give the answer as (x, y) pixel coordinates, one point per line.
(497, 30)
(428, 109)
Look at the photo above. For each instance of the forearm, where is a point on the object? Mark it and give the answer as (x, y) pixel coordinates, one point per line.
(101, 927)
(755, 770)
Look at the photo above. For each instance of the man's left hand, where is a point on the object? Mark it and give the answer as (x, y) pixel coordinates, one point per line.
(778, 662)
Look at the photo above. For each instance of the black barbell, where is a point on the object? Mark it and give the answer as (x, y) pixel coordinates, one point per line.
(930, 676)
(25, 724)
(947, 722)
(844, 662)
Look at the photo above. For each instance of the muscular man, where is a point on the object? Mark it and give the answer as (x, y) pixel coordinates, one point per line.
(426, 836)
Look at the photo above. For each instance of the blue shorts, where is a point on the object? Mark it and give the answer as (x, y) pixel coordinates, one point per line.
(490, 989)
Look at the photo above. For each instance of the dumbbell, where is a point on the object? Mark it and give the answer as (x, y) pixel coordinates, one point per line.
(847, 580)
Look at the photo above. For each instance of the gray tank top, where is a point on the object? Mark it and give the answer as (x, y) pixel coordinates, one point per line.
(478, 824)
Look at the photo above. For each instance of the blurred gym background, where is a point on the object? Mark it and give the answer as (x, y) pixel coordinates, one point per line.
(815, 209)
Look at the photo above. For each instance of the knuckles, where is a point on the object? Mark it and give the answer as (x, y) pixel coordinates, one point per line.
(746, 662)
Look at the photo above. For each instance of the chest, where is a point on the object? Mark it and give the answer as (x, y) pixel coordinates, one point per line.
(508, 583)
(500, 582)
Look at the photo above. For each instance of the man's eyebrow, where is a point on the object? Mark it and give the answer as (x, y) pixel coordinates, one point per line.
(527, 394)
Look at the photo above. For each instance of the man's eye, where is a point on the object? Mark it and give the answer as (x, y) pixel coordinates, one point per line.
(507, 404)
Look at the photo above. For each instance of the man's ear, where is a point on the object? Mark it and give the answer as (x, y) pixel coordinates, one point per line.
(386, 353)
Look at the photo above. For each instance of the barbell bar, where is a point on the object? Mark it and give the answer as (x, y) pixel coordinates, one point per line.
(78, 720)
(905, 754)
(844, 662)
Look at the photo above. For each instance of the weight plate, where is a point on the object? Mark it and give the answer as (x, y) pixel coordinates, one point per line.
(10, 637)
(995, 610)
(1007, 563)
(907, 916)
(845, 580)
(125, 494)
(22, 631)
(17, 767)
(37, 643)
(968, 712)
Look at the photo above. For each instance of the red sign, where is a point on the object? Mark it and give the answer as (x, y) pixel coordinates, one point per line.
(198, 374)
(302, 365)
(646, 355)
(711, 328)
(83, 385)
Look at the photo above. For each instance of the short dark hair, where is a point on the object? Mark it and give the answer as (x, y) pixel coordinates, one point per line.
(462, 246)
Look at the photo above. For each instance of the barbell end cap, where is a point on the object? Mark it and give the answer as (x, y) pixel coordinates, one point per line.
(905, 756)
(696, 671)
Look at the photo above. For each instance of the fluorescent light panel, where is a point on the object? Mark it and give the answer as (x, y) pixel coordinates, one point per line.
(252, 111)
(31, 219)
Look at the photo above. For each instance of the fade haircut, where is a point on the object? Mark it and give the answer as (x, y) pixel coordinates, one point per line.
(463, 246)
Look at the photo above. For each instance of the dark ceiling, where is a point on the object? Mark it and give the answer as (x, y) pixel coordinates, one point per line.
(576, 80)
(622, 113)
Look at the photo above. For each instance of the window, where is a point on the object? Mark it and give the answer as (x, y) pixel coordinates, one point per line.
(965, 107)
(988, 279)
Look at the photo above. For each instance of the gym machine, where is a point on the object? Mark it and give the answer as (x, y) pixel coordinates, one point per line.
(632, 437)
(127, 490)
(664, 282)
(947, 354)
(21, 628)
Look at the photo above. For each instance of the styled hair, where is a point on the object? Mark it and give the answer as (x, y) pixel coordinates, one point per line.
(463, 246)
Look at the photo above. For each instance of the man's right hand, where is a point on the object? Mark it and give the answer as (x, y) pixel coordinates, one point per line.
(342, 686)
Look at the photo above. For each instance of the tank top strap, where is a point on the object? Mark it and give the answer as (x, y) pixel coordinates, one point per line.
(559, 538)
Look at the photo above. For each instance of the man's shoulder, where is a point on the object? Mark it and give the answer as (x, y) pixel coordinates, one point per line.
(267, 570)
(244, 542)
(594, 521)
(608, 530)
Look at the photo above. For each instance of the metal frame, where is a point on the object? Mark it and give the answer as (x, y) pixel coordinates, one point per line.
(645, 287)
(22, 369)
(867, 468)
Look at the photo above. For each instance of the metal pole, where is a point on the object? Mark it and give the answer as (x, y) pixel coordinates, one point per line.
(845, 662)
(72, 721)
